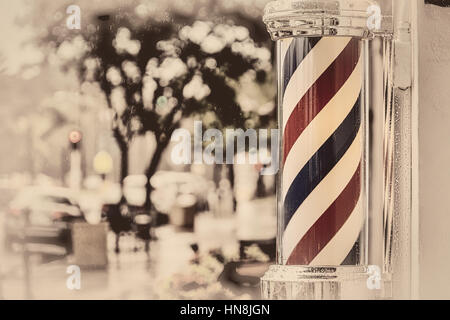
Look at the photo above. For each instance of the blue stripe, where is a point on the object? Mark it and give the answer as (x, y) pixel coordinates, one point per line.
(322, 162)
(298, 50)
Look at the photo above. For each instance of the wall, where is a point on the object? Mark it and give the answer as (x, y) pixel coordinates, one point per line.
(434, 154)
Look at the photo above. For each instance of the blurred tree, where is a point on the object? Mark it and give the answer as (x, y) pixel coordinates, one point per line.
(156, 73)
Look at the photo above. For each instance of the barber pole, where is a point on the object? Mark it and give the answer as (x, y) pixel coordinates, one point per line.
(321, 120)
(334, 96)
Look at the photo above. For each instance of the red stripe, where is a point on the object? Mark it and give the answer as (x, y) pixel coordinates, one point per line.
(328, 225)
(320, 93)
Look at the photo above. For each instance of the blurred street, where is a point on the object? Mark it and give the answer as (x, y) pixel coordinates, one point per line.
(129, 275)
(95, 98)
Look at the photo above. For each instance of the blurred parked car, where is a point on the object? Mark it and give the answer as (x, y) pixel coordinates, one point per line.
(44, 216)
(169, 186)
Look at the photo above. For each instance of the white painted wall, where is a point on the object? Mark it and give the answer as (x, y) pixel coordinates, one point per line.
(434, 150)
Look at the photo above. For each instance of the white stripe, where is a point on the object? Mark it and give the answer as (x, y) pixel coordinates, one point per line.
(311, 68)
(342, 243)
(322, 127)
(322, 197)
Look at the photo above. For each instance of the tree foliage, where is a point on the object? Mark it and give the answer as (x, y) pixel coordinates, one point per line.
(155, 74)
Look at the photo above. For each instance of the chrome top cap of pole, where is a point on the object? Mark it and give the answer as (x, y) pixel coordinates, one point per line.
(313, 18)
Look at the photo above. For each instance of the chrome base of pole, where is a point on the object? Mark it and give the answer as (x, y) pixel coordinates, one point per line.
(324, 283)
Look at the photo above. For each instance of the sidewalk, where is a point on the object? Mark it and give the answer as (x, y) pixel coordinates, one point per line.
(129, 275)
(167, 272)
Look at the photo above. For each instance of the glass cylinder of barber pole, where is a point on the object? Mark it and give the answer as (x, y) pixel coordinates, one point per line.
(322, 182)
(322, 65)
